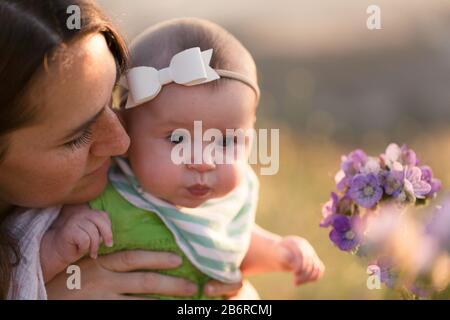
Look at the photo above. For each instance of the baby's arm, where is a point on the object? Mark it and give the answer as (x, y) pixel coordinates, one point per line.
(269, 252)
(77, 231)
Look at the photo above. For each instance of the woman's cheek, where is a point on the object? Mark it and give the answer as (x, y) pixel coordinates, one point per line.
(67, 174)
(51, 181)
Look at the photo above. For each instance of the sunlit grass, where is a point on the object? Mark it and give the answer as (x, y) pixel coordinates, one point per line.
(290, 203)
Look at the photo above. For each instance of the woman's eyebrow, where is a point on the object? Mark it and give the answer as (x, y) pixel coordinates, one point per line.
(85, 125)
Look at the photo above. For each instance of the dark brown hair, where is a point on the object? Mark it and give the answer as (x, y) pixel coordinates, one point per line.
(32, 31)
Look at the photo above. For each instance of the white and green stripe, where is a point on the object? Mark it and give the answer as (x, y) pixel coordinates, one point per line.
(214, 236)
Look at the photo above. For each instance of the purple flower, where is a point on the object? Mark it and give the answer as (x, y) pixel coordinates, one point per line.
(346, 206)
(436, 185)
(329, 210)
(415, 187)
(427, 173)
(342, 181)
(365, 190)
(427, 176)
(372, 165)
(408, 157)
(396, 157)
(336, 206)
(351, 165)
(353, 162)
(393, 182)
(387, 275)
(345, 234)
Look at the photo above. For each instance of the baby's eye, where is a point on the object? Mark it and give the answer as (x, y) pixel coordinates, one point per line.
(227, 141)
(177, 137)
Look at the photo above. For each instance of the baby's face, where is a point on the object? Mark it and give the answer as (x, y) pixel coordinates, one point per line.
(232, 105)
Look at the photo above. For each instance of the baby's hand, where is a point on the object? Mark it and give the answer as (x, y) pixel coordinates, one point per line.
(79, 230)
(298, 256)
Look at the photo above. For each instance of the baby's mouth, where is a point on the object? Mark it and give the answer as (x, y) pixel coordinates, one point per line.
(199, 190)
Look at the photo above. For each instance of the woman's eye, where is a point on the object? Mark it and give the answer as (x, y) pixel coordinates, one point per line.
(81, 141)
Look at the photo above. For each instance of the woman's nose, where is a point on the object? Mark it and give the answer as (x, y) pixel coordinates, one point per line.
(110, 137)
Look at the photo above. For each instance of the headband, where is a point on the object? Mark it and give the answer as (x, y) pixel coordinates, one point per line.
(189, 68)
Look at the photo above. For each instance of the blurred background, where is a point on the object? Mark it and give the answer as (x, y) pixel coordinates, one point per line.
(330, 85)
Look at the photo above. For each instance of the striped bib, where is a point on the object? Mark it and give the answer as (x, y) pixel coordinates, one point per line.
(214, 236)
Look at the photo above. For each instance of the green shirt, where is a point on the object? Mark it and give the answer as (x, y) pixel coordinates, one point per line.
(135, 228)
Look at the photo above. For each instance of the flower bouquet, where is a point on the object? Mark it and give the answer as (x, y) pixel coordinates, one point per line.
(365, 186)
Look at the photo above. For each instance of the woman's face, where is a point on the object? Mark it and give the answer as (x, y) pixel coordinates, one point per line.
(64, 156)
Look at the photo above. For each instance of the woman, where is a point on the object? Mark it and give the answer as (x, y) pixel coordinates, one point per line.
(58, 132)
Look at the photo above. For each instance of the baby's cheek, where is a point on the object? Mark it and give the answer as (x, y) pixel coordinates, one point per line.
(156, 176)
(229, 177)
(150, 175)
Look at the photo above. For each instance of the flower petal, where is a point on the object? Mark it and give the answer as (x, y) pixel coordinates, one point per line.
(341, 223)
(421, 189)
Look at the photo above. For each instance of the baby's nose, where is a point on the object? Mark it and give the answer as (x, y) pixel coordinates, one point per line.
(202, 167)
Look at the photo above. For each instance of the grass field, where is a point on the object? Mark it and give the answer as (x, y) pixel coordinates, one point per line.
(290, 203)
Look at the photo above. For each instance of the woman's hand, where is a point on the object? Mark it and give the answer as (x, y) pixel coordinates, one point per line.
(111, 277)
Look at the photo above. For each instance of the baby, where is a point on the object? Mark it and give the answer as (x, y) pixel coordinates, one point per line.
(160, 197)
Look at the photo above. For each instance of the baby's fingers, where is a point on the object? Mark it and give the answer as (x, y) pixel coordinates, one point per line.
(314, 274)
(304, 277)
(317, 264)
(82, 242)
(320, 268)
(94, 236)
(305, 263)
(317, 274)
(101, 220)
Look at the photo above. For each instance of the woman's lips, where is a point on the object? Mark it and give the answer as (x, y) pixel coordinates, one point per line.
(100, 170)
(199, 190)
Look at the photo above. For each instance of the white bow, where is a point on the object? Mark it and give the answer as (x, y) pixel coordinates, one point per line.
(189, 67)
